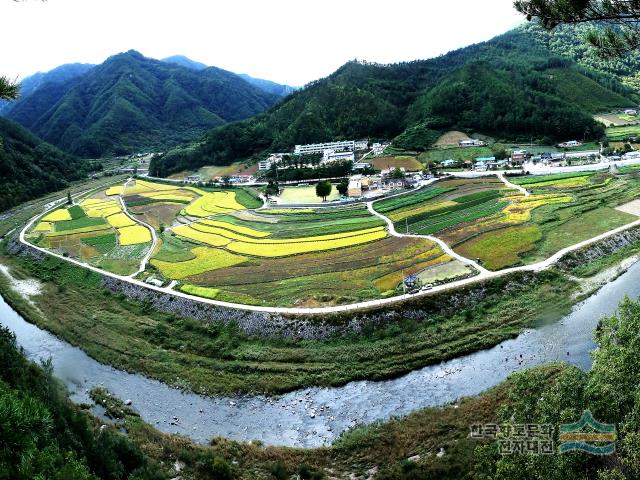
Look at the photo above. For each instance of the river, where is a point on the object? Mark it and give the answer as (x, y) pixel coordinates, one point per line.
(316, 416)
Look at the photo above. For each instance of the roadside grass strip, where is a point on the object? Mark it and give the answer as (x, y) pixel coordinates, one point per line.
(43, 227)
(58, 215)
(211, 203)
(133, 235)
(206, 259)
(120, 220)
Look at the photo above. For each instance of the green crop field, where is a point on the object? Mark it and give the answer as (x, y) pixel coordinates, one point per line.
(622, 133)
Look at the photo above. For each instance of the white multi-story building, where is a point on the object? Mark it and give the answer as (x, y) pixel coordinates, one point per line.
(346, 145)
(378, 148)
(266, 163)
(331, 156)
(361, 144)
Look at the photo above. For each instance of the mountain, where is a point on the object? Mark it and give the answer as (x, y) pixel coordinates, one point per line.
(61, 74)
(185, 62)
(131, 102)
(269, 86)
(30, 168)
(266, 85)
(512, 87)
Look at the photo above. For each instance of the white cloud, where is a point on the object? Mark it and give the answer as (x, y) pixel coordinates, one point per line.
(289, 41)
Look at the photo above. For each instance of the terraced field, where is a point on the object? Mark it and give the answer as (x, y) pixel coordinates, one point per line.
(218, 244)
(481, 219)
(95, 231)
(287, 257)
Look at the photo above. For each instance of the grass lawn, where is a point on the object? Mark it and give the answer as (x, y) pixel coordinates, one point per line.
(304, 195)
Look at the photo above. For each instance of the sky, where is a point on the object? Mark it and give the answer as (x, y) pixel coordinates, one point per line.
(287, 41)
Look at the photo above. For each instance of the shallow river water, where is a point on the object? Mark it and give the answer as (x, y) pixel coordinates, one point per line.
(316, 416)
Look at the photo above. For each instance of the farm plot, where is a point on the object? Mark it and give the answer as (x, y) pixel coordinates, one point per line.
(97, 232)
(622, 133)
(305, 195)
(291, 257)
(503, 228)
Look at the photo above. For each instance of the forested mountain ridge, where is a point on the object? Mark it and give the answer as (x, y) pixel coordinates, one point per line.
(131, 102)
(512, 87)
(61, 74)
(30, 168)
(266, 85)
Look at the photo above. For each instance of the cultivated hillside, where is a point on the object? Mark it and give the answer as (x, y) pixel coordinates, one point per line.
(512, 87)
(30, 168)
(131, 102)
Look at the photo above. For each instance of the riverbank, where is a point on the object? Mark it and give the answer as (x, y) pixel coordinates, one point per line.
(183, 352)
(316, 416)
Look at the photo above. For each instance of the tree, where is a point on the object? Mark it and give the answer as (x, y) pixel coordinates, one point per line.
(343, 187)
(323, 189)
(8, 89)
(619, 32)
(69, 200)
(271, 189)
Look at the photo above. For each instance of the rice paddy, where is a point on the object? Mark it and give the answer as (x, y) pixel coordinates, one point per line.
(217, 244)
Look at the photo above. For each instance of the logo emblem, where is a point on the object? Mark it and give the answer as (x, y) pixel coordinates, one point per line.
(588, 435)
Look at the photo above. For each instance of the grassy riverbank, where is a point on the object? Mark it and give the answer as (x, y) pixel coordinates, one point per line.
(184, 353)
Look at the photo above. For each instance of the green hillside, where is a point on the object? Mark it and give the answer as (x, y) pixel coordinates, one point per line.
(511, 87)
(131, 102)
(30, 168)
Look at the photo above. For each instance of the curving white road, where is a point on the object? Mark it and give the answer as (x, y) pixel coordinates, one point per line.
(482, 276)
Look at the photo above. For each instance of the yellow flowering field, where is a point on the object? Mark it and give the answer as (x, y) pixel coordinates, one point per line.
(119, 220)
(207, 259)
(236, 228)
(43, 227)
(142, 186)
(133, 235)
(117, 190)
(204, 292)
(264, 249)
(59, 215)
(211, 203)
(167, 197)
(520, 211)
(209, 238)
